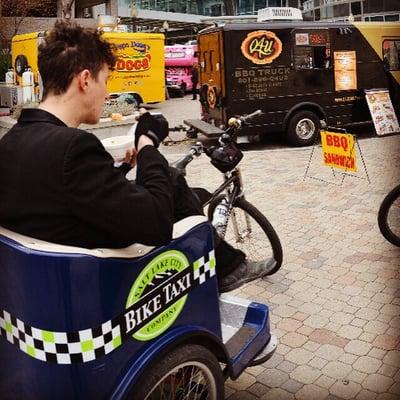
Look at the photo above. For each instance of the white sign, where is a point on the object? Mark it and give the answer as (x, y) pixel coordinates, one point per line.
(279, 13)
(177, 54)
(382, 112)
(302, 39)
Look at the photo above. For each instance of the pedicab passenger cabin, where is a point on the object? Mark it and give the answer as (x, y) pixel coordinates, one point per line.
(122, 323)
(298, 73)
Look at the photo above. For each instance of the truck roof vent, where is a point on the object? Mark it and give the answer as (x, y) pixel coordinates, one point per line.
(279, 13)
(344, 31)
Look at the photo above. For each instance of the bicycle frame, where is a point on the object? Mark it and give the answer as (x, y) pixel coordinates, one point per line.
(233, 184)
(230, 178)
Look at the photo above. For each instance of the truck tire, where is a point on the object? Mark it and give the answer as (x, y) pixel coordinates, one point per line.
(135, 100)
(21, 63)
(303, 128)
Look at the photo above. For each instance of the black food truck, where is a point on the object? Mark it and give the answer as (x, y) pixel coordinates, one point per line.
(298, 73)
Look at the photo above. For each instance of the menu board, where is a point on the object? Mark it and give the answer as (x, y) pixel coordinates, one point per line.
(345, 70)
(382, 112)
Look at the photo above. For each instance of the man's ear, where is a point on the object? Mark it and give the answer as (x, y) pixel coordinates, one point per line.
(84, 78)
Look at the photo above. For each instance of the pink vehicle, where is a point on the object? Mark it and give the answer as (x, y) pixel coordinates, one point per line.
(179, 60)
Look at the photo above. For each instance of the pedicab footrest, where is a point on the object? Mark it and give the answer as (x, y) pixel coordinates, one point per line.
(240, 338)
(245, 332)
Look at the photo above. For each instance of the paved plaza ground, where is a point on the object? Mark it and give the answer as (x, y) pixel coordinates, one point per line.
(335, 303)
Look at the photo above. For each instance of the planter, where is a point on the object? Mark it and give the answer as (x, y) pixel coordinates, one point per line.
(105, 128)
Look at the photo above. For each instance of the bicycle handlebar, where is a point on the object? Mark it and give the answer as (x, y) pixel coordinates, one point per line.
(249, 117)
(226, 137)
(194, 151)
(236, 122)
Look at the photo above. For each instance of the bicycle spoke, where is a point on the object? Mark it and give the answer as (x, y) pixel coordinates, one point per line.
(187, 383)
(245, 234)
(193, 385)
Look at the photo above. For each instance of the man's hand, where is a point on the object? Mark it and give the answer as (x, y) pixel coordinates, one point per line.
(144, 141)
(155, 128)
(130, 157)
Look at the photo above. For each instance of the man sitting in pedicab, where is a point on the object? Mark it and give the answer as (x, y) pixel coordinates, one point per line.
(59, 184)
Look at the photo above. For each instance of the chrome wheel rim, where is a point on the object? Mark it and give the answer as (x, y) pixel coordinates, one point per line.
(305, 128)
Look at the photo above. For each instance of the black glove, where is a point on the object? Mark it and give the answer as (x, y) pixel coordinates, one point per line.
(154, 127)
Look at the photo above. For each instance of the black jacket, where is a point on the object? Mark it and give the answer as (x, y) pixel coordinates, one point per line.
(195, 75)
(59, 184)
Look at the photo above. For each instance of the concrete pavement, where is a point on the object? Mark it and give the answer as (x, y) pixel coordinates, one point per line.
(335, 303)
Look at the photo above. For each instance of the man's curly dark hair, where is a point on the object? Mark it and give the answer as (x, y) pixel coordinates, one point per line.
(67, 50)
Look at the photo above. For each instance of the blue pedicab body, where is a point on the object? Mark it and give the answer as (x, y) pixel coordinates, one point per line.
(86, 324)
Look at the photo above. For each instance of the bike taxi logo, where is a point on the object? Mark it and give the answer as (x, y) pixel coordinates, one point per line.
(162, 282)
(261, 47)
(132, 57)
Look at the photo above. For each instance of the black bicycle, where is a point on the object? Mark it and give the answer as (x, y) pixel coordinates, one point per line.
(236, 220)
(389, 216)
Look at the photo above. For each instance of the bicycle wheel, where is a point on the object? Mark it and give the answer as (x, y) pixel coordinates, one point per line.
(188, 372)
(249, 231)
(389, 216)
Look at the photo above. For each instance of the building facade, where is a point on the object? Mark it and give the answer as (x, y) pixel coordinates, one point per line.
(360, 10)
(209, 7)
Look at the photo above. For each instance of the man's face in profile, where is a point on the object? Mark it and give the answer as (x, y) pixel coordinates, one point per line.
(96, 95)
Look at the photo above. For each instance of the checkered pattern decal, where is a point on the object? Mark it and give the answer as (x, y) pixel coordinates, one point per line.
(88, 344)
(60, 347)
(204, 269)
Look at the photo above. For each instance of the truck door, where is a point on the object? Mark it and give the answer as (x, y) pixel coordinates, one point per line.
(212, 85)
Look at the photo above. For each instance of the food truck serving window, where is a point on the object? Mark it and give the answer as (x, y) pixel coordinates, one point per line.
(311, 49)
(391, 54)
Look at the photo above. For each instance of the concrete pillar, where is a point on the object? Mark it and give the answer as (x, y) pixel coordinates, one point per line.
(60, 7)
(112, 7)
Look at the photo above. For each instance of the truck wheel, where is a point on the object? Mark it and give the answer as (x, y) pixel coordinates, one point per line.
(135, 100)
(21, 63)
(188, 372)
(303, 128)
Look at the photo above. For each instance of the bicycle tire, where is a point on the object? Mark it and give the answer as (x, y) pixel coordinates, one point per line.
(182, 361)
(390, 204)
(254, 246)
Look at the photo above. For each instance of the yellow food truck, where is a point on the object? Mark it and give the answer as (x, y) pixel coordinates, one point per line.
(139, 70)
